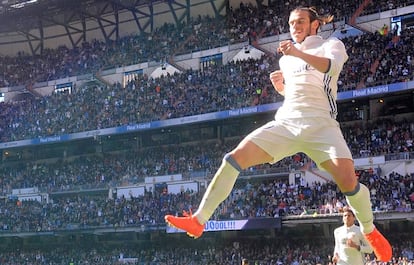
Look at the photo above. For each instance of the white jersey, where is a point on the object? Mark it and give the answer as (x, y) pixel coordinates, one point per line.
(308, 92)
(306, 120)
(350, 255)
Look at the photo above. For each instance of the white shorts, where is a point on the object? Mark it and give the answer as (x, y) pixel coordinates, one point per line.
(319, 138)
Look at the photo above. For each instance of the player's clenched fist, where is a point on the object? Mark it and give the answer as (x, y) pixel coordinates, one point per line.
(276, 78)
(287, 47)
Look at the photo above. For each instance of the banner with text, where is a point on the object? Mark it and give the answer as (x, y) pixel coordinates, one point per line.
(231, 225)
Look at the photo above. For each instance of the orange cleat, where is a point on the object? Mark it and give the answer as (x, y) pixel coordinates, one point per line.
(187, 223)
(380, 244)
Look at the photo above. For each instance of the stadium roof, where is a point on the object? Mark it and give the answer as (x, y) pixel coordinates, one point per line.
(31, 20)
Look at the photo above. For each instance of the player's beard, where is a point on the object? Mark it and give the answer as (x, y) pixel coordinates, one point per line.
(308, 33)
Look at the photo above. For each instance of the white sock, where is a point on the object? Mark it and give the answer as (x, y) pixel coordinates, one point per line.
(218, 189)
(360, 201)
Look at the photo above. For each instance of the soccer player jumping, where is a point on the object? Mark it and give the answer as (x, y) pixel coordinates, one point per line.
(306, 122)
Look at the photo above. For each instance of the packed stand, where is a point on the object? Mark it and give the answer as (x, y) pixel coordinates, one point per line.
(284, 249)
(189, 93)
(393, 139)
(256, 198)
(392, 192)
(261, 21)
(91, 57)
(243, 23)
(380, 137)
(397, 60)
(127, 168)
(234, 85)
(385, 5)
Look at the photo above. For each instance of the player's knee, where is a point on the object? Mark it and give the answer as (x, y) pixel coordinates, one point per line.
(352, 190)
(229, 159)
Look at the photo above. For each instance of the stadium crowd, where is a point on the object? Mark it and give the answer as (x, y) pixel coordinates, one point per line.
(219, 87)
(200, 33)
(260, 198)
(392, 138)
(281, 250)
(375, 59)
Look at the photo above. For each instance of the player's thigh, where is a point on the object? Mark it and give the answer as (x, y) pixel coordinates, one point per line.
(343, 172)
(248, 154)
(275, 139)
(325, 142)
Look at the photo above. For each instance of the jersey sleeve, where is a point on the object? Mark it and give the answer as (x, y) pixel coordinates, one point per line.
(335, 50)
